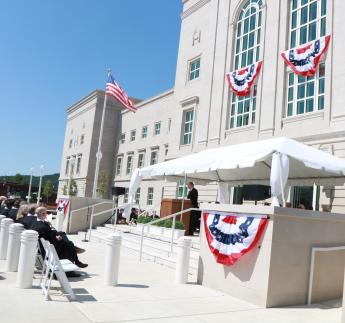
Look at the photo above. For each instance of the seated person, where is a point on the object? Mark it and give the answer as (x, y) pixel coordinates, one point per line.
(133, 218)
(12, 214)
(120, 218)
(2, 203)
(7, 207)
(64, 247)
(27, 215)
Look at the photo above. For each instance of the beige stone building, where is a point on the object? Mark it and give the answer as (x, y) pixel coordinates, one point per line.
(201, 112)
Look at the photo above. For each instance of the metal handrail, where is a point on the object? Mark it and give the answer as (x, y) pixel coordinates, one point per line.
(92, 205)
(163, 219)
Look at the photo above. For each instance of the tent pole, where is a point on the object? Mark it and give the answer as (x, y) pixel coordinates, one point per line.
(183, 192)
(281, 180)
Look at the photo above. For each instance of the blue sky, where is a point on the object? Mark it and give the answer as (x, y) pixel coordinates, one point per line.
(52, 53)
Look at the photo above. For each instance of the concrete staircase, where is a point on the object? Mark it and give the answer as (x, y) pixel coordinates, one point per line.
(154, 249)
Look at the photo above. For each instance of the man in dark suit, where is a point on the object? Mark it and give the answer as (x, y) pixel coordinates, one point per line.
(64, 247)
(8, 206)
(194, 215)
(12, 214)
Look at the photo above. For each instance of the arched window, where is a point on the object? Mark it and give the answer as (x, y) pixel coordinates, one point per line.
(307, 23)
(247, 51)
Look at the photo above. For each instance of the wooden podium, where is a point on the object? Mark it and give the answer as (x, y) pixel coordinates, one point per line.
(171, 206)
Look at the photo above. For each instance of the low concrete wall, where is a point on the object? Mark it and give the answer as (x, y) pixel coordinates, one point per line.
(276, 271)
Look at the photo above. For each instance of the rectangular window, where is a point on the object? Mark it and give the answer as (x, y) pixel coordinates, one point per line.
(118, 165)
(188, 118)
(67, 166)
(154, 157)
(78, 164)
(157, 128)
(166, 150)
(123, 138)
(70, 143)
(150, 196)
(182, 190)
(129, 164)
(82, 139)
(194, 69)
(72, 164)
(144, 132)
(243, 109)
(306, 94)
(169, 124)
(125, 198)
(133, 132)
(141, 158)
(137, 196)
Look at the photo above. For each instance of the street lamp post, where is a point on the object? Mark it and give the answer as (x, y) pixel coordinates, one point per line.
(72, 160)
(40, 185)
(30, 184)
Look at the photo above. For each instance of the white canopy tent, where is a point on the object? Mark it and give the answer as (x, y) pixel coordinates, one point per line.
(254, 162)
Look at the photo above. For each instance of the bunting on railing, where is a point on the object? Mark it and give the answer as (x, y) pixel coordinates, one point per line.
(62, 206)
(305, 59)
(241, 80)
(230, 236)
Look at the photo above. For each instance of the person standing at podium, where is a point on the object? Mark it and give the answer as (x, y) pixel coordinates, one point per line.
(194, 215)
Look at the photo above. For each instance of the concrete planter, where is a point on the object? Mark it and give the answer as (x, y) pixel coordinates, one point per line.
(177, 233)
(155, 230)
(140, 227)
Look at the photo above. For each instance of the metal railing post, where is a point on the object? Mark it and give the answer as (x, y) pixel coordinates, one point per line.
(91, 220)
(141, 242)
(173, 233)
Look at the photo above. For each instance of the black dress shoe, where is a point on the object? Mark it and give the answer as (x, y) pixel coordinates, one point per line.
(71, 274)
(80, 264)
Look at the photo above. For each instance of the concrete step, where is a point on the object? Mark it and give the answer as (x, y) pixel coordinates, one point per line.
(153, 249)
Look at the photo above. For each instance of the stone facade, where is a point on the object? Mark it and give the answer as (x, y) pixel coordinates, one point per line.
(208, 38)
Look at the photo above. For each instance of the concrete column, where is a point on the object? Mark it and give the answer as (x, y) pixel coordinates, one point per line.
(13, 249)
(60, 216)
(5, 223)
(182, 261)
(27, 258)
(1, 218)
(112, 259)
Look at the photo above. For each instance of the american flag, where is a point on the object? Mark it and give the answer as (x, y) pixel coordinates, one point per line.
(114, 89)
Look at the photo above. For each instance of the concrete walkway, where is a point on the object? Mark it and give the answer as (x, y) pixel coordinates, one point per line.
(146, 293)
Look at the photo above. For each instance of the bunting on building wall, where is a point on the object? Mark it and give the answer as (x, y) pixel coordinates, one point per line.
(305, 59)
(241, 80)
(230, 236)
(62, 206)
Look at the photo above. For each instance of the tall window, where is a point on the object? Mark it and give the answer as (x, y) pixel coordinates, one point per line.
(247, 51)
(70, 143)
(188, 118)
(307, 23)
(78, 164)
(154, 157)
(67, 166)
(118, 165)
(137, 196)
(82, 139)
(141, 158)
(129, 164)
(125, 198)
(144, 132)
(182, 190)
(157, 128)
(150, 196)
(194, 69)
(123, 138)
(133, 133)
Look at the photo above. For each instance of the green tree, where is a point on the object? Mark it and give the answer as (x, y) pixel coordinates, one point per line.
(19, 179)
(102, 188)
(48, 190)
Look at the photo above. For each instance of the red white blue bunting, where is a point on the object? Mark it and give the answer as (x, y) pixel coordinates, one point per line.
(62, 206)
(305, 59)
(241, 80)
(230, 236)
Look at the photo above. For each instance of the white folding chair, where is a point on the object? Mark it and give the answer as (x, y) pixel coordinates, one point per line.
(53, 265)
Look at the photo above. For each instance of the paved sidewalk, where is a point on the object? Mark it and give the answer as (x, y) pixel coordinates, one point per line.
(146, 293)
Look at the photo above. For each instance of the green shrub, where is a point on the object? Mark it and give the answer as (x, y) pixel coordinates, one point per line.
(141, 218)
(178, 224)
(147, 219)
(161, 224)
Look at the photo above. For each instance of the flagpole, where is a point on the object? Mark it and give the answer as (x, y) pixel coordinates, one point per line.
(99, 153)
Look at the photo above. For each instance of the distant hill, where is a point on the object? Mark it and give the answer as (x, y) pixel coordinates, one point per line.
(25, 180)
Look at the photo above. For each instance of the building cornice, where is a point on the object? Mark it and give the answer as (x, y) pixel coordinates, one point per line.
(91, 96)
(189, 101)
(193, 8)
